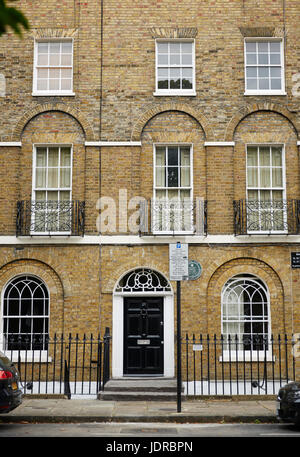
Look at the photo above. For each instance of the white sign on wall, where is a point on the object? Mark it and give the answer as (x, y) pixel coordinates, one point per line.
(179, 261)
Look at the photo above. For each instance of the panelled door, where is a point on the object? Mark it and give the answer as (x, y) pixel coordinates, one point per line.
(143, 336)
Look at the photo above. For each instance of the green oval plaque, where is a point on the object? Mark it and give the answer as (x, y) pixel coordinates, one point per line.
(195, 269)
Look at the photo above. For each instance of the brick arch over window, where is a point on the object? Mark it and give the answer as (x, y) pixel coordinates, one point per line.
(75, 113)
(250, 109)
(159, 109)
(51, 279)
(250, 266)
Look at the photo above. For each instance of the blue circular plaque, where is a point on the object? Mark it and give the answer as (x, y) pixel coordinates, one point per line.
(195, 269)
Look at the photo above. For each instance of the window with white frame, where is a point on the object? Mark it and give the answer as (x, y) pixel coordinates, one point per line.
(264, 67)
(52, 187)
(266, 208)
(53, 67)
(175, 67)
(25, 314)
(173, 205)
(245, 314)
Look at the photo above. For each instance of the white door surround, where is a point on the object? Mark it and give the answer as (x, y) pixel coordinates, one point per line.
(118, 325)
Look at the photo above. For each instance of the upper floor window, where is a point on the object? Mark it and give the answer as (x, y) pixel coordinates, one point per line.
(264, 67)
(173, 204)
(53, 67)
(266, 206)
(175, 67)
(52, 186)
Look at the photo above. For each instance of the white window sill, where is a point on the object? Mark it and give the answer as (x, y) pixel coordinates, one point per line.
(241, 356)
(53, 94)
(169, 93)
(264, 92)
(28, 356)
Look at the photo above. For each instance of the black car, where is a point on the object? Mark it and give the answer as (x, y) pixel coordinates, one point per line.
(10, 393)
(288, 403)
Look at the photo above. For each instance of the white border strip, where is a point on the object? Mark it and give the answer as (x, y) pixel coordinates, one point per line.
(219, 143)
(113, 143)
(298, 143)
(136, 240)
(10, 143)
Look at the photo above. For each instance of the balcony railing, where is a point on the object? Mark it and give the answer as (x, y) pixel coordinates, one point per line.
(50, 218)
(266, 217)
(168, 217)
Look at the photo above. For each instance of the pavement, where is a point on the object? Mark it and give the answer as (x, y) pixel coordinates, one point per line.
(84, 409)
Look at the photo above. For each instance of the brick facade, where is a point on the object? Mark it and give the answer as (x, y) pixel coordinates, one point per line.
(114, 103)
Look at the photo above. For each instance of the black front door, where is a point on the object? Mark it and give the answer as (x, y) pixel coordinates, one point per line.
(143, 336)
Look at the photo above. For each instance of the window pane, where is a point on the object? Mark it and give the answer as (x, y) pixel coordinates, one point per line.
(263, 72)
(41, 157)
(172, 177)
(42, 84)
(65, 157)
(251, 84)
(66, 47)
(174, 48)
(250, 46)
(251, 59)
(162, 59)
(54, 84)
(185, 177)
(160, 156)
(52, 177)
(263, 84)
(276, 84)
(66, 60)
(172, 156)
(65, 176)
(275, 46)
(276, 157)
(53, 157)
(275, 59)
(184, 156)
(265, 180)
(66, 84)
(174, 78)
(162, 47)
(252, 156)
(40, 177)
(252, 177)
(42, 59)
(251, 72)
(262, 47)
(264, 156)
(42, 73)
(277, 177)
(54, 60)
(187, 59)
(175, 59)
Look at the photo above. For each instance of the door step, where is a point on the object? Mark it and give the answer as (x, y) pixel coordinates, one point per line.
(140, 389)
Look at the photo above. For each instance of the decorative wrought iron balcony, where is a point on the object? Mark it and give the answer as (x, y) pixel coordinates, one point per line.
(173, 217)
(266, 217)
(50, 218)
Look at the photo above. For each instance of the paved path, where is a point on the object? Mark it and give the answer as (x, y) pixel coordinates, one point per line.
(91, 410)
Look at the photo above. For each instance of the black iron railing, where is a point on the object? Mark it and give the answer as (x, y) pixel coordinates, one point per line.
(69, 365)
(271, 217)
(50, 217)
(223, 365)
(165, 217)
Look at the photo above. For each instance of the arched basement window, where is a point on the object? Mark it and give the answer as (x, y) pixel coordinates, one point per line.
(245, 313)
(143, 280)
(25, 314)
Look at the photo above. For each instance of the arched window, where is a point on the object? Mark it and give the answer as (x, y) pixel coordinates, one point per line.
(25, 314)
(245, 313)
